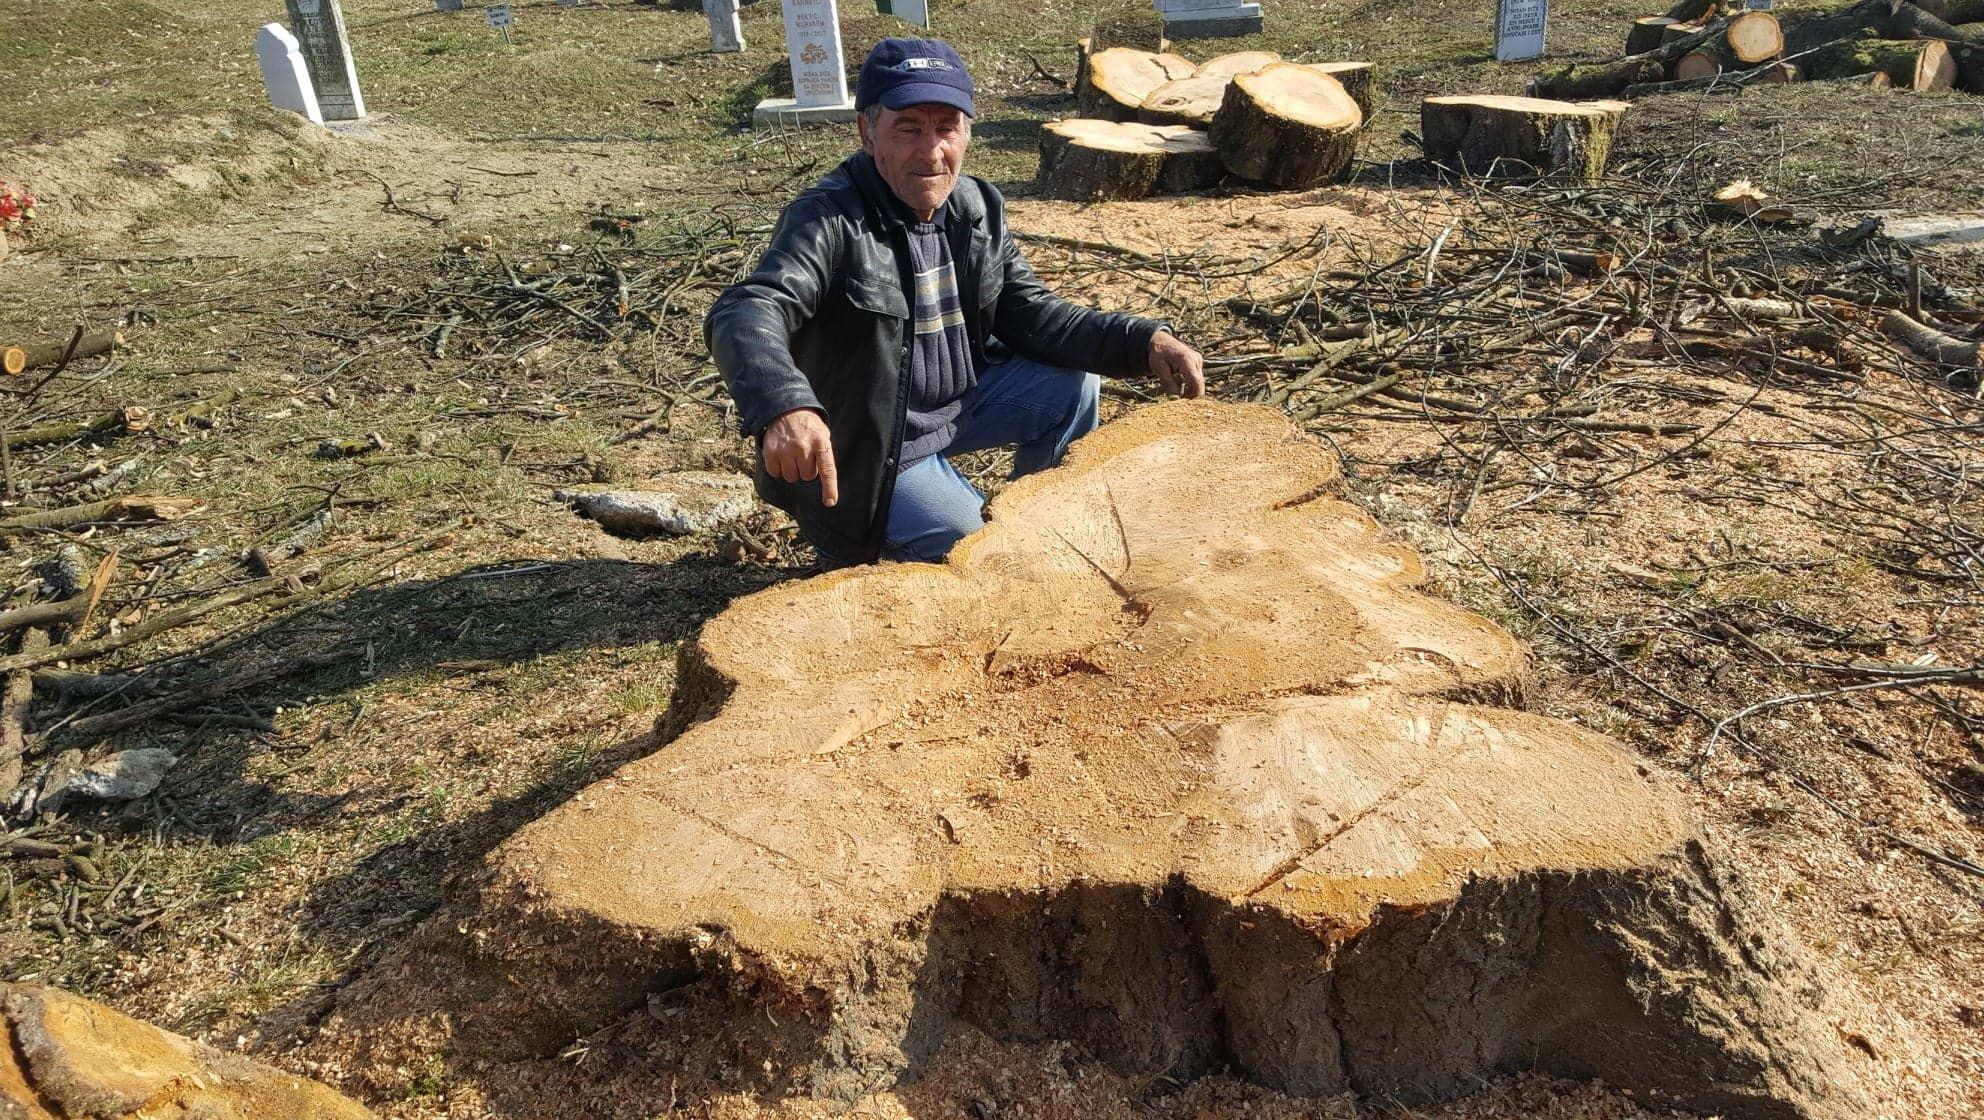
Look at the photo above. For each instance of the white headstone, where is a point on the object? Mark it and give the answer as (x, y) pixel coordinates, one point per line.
(909, 11)
(726, 30)
(447, 5)
(498, 15)
(1519, 27)
(812, 40)
(283, 72)
(319, 28)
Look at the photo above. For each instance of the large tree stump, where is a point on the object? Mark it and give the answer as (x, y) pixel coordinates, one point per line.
(1115, 82)
(1087, 160)
(1492, 134)
(1925, 65)
(1288, 126)
(1172, 760)
(1187, 101)
(1237, 63)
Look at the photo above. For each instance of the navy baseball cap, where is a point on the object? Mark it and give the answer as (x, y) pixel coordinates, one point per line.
(904, 72)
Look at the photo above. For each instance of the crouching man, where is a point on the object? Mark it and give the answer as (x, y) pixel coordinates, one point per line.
(892, 322)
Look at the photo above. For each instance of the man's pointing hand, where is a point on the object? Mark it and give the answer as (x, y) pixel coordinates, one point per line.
(798, 448)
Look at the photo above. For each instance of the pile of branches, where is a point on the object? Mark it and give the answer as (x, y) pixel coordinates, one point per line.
(1933, 45)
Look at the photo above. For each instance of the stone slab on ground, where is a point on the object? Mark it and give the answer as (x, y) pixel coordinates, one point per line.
(1245, 19)
(62, 1056)
(1172, 761)
(683, 503)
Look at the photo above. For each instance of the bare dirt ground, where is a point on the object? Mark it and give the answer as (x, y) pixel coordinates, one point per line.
(492, 653)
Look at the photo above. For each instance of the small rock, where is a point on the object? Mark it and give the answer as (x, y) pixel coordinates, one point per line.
(124, 776)
(693, 502)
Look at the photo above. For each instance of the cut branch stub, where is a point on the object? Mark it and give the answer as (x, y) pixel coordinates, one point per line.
(1173, 761)
(1490, 134)
(1116, 81)
(1288, 126)
(1087, 160)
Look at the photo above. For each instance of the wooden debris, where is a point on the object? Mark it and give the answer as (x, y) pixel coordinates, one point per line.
(1492, 134)
(1754, 37)
(17, 359)
(1287, 126)
(1116, 81)
(130, 508)
(72, 611)
(1943, 348)
(1188, 101)
(1925, 66)
(15, 696)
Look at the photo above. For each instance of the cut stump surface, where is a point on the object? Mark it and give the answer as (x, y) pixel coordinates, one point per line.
(1115, 82)
(1087, 160)
(1287, 125)
(1172, 760)
(1492, 134)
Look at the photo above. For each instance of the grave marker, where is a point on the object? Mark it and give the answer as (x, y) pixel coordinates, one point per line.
(1519, 28)
(909, 11)
(447, 5)
(568, 3)
(320, 38)
(284, 72)
(726, 30)
(498, 16)
(819, 71)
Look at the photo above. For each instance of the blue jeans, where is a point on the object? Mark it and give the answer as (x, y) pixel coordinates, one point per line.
(1040, 409)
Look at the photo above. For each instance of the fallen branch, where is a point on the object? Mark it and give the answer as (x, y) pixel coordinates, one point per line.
(1931, 343)
(106, 723)
(17, 359)
(129, 508)
(73, 612)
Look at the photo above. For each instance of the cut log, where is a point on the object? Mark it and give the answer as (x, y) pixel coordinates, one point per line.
(1582, 83)
(1780, 73)
(1238, 63)
(1187, 101)
(1358, 79)
(1287, 126)
(1117, 80)
(1960, 12)
(1172, 761)
(1675, 32)
(1754, 37)
(1959, 354)
(34, 355)
(1647, 33)
(65, 1056)
(1088, 160)
(1924, 65)
(1698, 63)
(1491, 134)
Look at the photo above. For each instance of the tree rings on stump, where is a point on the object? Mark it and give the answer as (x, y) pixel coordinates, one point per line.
(1238, 63)
(1754, 37)
(1116, 81)
(1173, 761)
(1187, 101)
(1087, 160)
(1358, 79)
(1491, 134)
(1288, 126)
(1697, 64)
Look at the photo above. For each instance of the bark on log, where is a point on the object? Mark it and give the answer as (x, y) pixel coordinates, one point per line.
(15, 696)
(1647, 33)
(1923, 65)
(1171, 761)
(1945, 349)
(1675, 32)
(1970, 69)
(1358, 79)
(1574, 83)
(1287, 126)
(1086, 160)
(34, 355)
(1492, 134)
(1822, 22)
(1116, 81)
(1685, 11)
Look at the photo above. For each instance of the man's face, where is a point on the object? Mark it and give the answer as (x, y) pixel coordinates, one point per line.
(919, 151)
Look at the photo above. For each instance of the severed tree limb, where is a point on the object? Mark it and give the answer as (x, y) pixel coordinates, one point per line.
(15, 696)
(1932, 343)
(15, 359)
(73, 611)
(130, 507)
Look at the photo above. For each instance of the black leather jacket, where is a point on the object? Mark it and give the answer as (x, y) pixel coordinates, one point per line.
(823, 323)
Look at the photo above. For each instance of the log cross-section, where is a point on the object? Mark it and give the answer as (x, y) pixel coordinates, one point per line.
(1173, 761)
(1115, 82)
(1287, 125)
(1089, 160)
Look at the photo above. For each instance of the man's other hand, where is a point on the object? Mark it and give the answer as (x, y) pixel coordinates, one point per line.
(798, 448)
(1178, 367)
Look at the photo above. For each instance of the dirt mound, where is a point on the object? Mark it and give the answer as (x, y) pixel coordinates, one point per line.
(1172, 762)
(62, 1056)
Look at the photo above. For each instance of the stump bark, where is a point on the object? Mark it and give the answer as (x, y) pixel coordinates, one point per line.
(1115, 82)
(1172, 761)
(1088, 160)
(1288, 126)
(1490, 134)
(1646, 33)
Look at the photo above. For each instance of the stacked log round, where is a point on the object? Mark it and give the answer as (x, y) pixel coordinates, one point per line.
(1676, 31)
(1646, 33)
(1287, 126)
(1358, 79)
(1090, 160)
(1116, 81)
(1754, 37)
(1925, 65)
(1492, 134)
(1194, 100)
